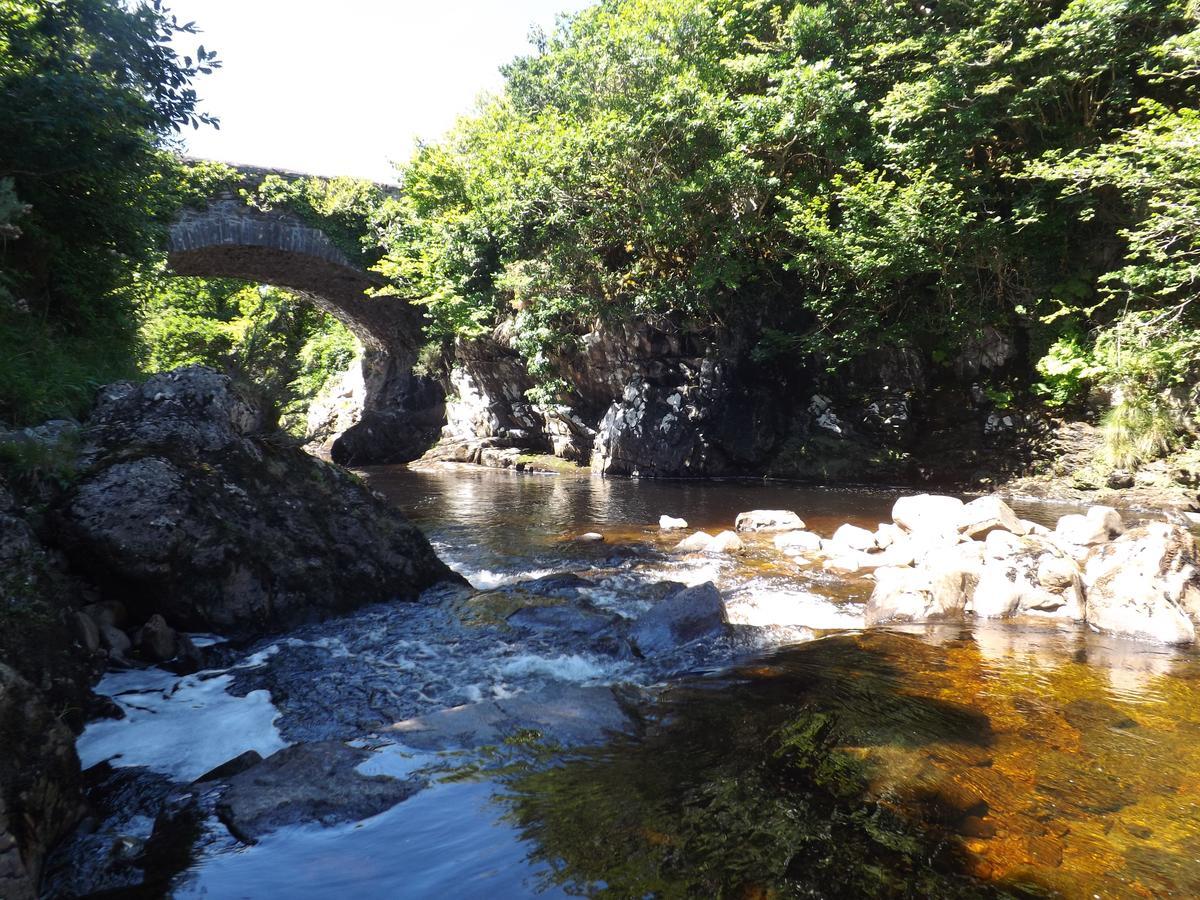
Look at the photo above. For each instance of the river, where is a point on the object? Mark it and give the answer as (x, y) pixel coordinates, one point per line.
(810, 757)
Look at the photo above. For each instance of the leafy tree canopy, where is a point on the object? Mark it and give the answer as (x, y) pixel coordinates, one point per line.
(831, 176)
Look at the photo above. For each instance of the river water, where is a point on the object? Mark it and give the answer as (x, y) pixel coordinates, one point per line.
(808, 758)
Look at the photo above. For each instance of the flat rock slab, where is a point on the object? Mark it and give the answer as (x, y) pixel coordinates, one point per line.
(307, 783)
(567, 714)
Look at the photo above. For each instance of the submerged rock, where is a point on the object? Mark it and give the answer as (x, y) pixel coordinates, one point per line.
(684, 616)
(307, 783)
(188, 507)
(567, 714)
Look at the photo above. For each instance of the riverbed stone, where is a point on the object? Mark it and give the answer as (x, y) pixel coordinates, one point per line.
(1099, 525)
(1028, 574)
(986, 514)
(924, 513)
(684, 616)
(156, 640)
(695, 543)
(845, 564)
(725, 542)
(853, 537)
(887, 534)
(1144, 584)
(896, 555)
(671, 523)
(768, 520)
(797, 542)
(315, 783)
(115, 641)
(907, 595)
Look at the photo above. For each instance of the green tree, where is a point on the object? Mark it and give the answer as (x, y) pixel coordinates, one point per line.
(90, 92)
(828, 177)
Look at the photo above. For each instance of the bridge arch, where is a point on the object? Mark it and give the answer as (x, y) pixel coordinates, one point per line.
(402, 413)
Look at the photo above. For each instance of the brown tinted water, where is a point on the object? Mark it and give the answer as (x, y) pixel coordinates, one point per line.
(1042, 760)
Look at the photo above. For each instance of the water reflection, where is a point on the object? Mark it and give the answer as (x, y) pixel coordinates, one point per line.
(950, 763)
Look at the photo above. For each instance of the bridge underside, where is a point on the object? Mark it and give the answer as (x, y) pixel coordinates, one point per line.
(402, 413)
(382, 322)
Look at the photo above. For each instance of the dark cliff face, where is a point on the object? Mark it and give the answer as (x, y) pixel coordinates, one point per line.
(189, 508)
(675, 404)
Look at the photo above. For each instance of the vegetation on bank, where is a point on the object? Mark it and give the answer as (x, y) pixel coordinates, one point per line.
(91, 96)
(831, 177)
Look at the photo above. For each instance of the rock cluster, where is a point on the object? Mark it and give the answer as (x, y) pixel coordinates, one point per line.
(184, 511)
(941, 558)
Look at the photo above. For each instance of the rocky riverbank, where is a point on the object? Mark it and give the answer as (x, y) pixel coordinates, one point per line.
(667, 403)
(941, 559)
(176, 506)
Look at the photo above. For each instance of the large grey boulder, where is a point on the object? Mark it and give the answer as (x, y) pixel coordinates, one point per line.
(189, 507)
(1145, 584)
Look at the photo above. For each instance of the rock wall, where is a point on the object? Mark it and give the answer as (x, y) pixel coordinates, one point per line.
(668, 403)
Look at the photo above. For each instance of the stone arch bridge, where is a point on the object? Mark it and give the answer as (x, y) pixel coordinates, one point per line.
(398, 415)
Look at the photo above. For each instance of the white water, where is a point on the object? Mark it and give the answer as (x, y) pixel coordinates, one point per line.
(179, 726)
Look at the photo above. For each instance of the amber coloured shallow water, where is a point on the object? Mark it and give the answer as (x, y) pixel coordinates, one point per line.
(943, 761)
(1054, 759)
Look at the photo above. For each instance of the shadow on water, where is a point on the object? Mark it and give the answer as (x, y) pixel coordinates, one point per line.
(756, 788)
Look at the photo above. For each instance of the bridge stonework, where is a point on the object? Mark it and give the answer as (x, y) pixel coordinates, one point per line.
(402, 413)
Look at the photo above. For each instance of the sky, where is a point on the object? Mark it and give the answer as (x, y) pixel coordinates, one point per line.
(345, 88)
